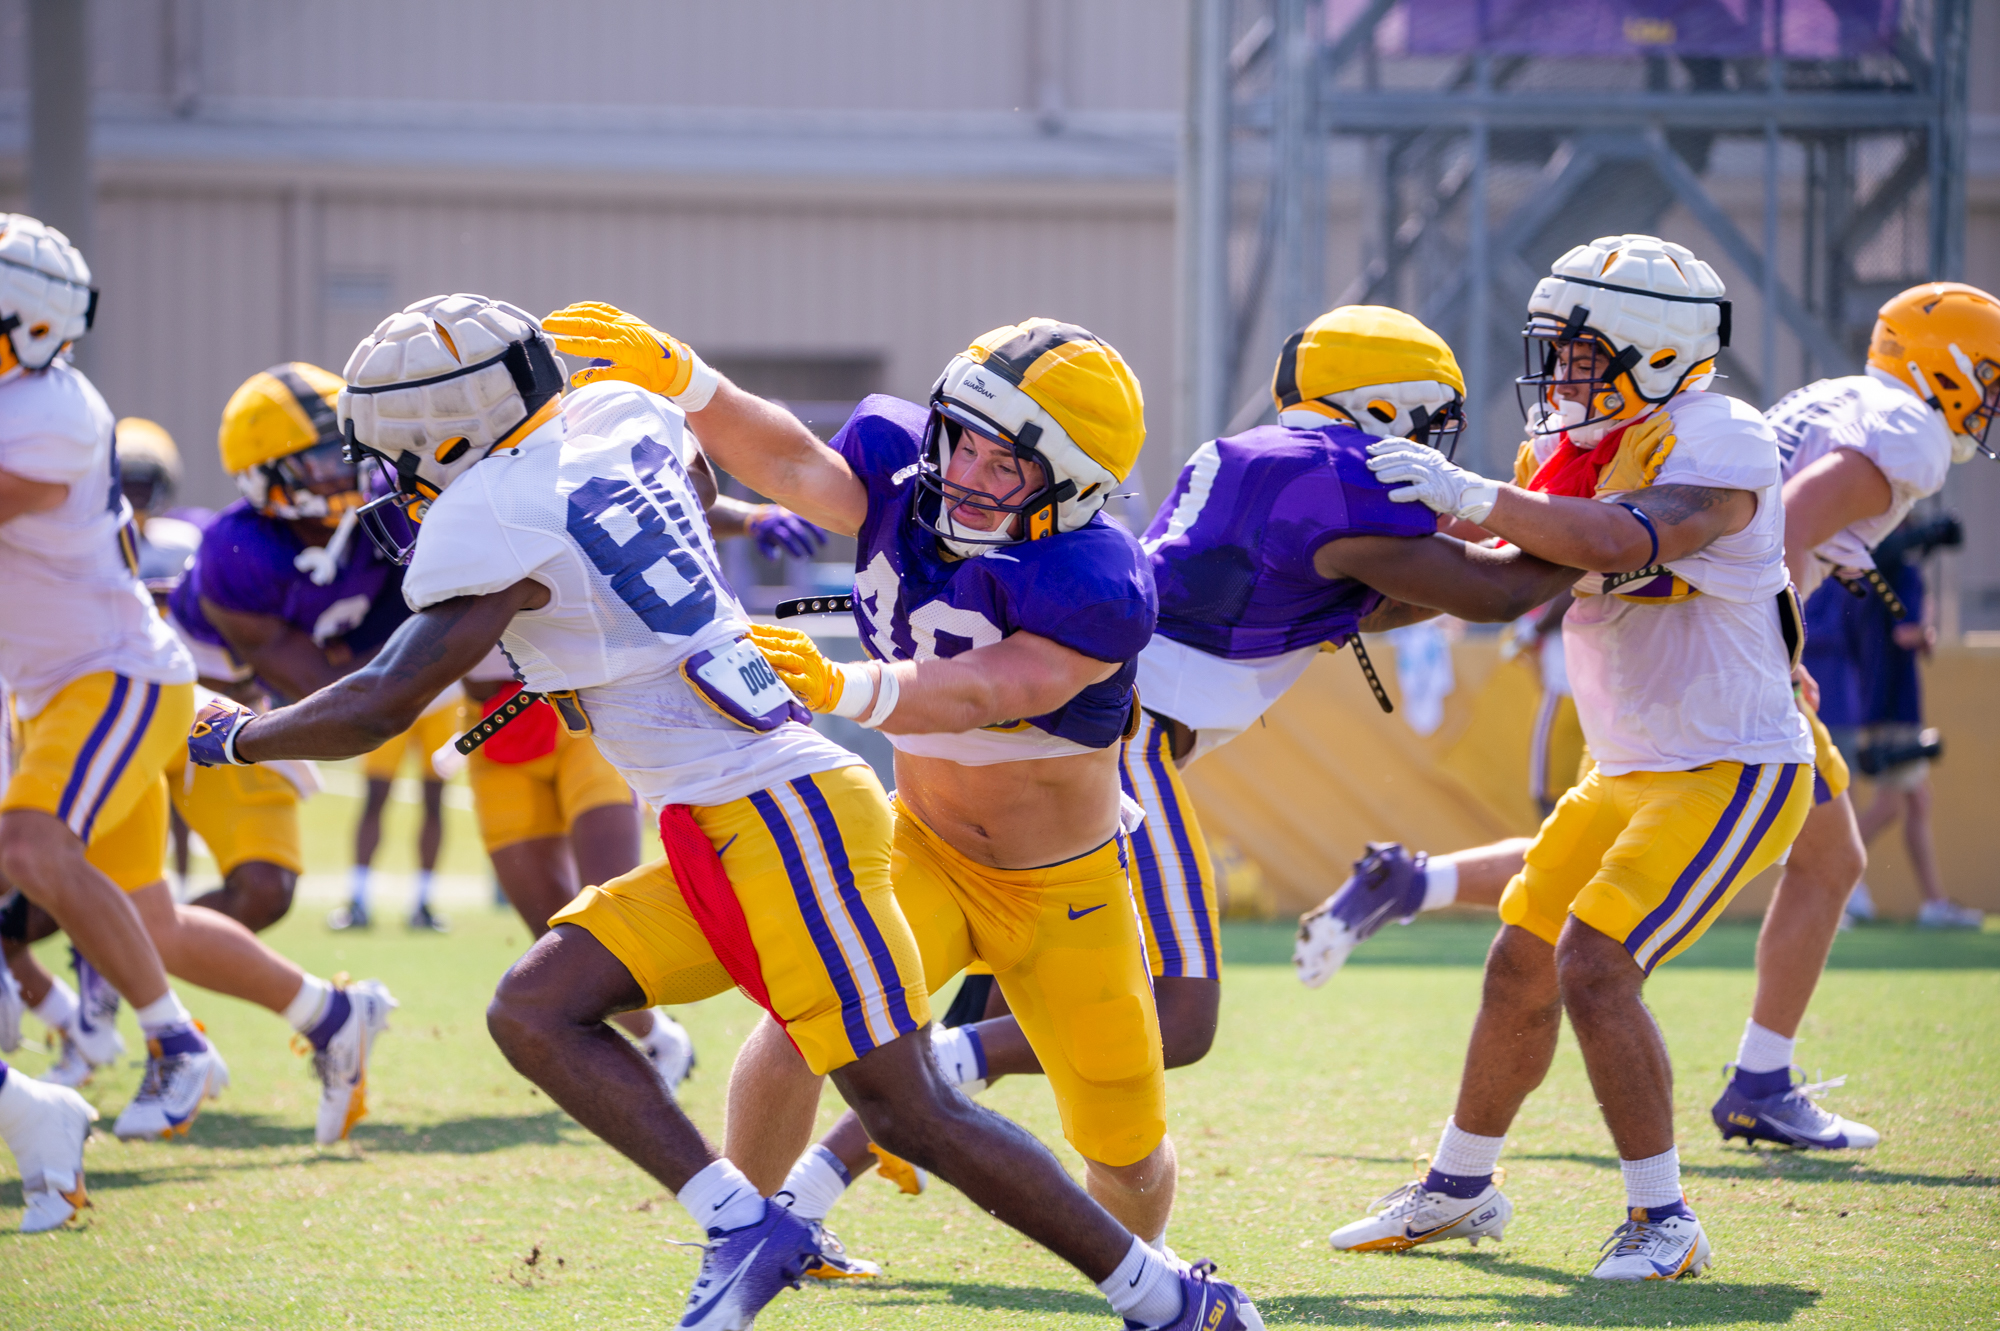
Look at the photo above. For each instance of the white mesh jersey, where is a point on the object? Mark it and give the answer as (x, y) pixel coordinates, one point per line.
(1665, 687)
(1884, 420)
(70, 599)
(597, 507)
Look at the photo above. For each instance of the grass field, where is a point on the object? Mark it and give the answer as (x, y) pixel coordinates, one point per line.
(466, 1200)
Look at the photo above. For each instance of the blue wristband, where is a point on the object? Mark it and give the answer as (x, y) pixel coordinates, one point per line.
(1652, 533)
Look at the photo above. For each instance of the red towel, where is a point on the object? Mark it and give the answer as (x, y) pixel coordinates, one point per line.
(527, 737)
(1573, 471)
(706, 888)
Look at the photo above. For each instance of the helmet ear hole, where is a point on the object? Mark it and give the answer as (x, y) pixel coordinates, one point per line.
(38, 331)
(1659, 360)
(1945, 381)
(451, 450)
(1384, 412)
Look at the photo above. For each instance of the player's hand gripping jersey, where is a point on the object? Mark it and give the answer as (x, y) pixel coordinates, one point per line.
(1242, 610)
(248, 563)
(1090, 590)
(1877, 416)
(71, 603)
(597, 506)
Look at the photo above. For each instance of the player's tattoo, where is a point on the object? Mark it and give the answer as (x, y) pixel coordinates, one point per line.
(1668, 505)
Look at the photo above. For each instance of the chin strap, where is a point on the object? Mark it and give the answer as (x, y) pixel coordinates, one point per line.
(321, 563)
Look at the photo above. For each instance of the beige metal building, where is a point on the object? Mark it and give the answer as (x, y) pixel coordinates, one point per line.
(827, 199)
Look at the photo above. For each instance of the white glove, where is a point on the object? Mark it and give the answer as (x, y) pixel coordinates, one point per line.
(1431, 479)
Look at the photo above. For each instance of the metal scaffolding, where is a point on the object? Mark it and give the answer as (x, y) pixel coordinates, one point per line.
(1475, 170)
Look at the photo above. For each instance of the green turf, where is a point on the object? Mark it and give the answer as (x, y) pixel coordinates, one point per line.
(467, 1201)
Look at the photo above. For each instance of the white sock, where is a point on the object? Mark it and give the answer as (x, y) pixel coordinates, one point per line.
(425, 877)
(163, 1015)
(1764, 1050)
(20, 1107)
(309, 1004)
(960, 1056)
(1440, 884)
(58, 1008)
(358, 891)
(1144, 1289)
(720, 1197)
(1654, 1181)
(814, 1185)
(1463, 1154)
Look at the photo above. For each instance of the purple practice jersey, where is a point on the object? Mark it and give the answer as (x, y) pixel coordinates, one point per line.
(1088, 589)
(245, 564)
(1233, 546)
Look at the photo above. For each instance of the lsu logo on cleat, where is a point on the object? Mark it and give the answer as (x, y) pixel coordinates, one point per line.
(1743, 1120)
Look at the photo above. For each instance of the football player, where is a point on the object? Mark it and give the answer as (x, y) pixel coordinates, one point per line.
(1274, 545)
(100, 684)
(569, 530)
(1680, 652)
(1858, 451)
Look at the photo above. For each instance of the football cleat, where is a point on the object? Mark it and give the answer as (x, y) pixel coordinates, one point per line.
(1208, 1304)
(342, 1067)
(353, 915)
(11, 1008)
(907, 1177)
(1387, 883)
(172, 1090)
(1642, 1249)
(422, 918)
(834, 1262)
(1947, 914)
(95, 1025)
(1411, 1216)
(744, 1269)
(1789, 1118)
(670, 1049)
(50, 1125)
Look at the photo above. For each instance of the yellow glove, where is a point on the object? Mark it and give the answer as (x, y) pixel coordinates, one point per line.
(1525, 464)
(837, 688)
(1642, 451)
(624, 346)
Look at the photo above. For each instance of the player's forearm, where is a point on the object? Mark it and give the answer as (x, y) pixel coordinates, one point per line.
(1578, 533)
(944, 697)
(1394, 614)
(729, 517)
(351, 717)
(20, 496)
(772, 452)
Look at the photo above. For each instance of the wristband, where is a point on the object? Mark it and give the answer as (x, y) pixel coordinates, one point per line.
(1476, 501)
(857, 689)
(229, 742)
(887, 690)
(1652, 533)
(702, 383)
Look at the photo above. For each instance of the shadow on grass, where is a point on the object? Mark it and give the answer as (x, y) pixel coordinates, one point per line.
(993, 1298)
(1795, 1166)
(1581, 1301)
(1463, 941)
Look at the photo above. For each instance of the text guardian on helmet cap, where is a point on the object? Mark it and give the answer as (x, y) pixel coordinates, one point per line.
(1058, 397)
(46, 300)
(437, 387)
(1375, 368)
(1649, 305)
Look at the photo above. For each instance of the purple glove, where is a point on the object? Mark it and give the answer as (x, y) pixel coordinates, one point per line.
(212, 741)
(778, 531)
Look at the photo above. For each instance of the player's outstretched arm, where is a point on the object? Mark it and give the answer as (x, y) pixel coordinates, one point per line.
(431, 651)
(282, 656)
(758, 441)
(1444, 574)
(1022, 675)
(1841, 488)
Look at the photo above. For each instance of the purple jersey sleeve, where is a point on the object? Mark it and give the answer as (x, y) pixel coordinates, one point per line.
(880, 441)
(245, 562)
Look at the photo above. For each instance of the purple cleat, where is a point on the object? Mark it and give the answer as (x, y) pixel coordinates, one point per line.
(1387, 883)
(1208, 1304)
(1789, 1117)
(744, 1269)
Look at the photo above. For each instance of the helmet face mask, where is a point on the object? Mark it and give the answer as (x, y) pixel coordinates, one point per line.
(317, 482)
(1025, 512)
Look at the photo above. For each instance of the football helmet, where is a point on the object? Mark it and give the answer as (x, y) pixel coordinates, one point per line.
(281, 442)
(149, 465)
(1058, 397)
(1943, 340)
(1374, 368)
(437, 387)
(1654, 314)
(46, 300)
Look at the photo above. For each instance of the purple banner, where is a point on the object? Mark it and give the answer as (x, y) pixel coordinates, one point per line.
(1800, 29)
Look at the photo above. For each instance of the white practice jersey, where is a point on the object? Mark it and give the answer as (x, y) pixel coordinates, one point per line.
(1667, 686)
(1883, 419)
(71, 603)
(1216, 698)
(597, 507)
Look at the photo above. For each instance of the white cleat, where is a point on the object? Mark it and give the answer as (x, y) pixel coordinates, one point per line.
(171, 1093)
(670, 1049)
(11, 1008)
(74, 1068)
(1666, 1249)
(1410, 1217)
(46, 1127)
(342, 1067)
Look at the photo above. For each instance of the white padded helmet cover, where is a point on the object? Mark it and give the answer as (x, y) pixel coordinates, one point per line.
(438, 339)
(1692, 331)
(45, 285)
(1360, 404)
